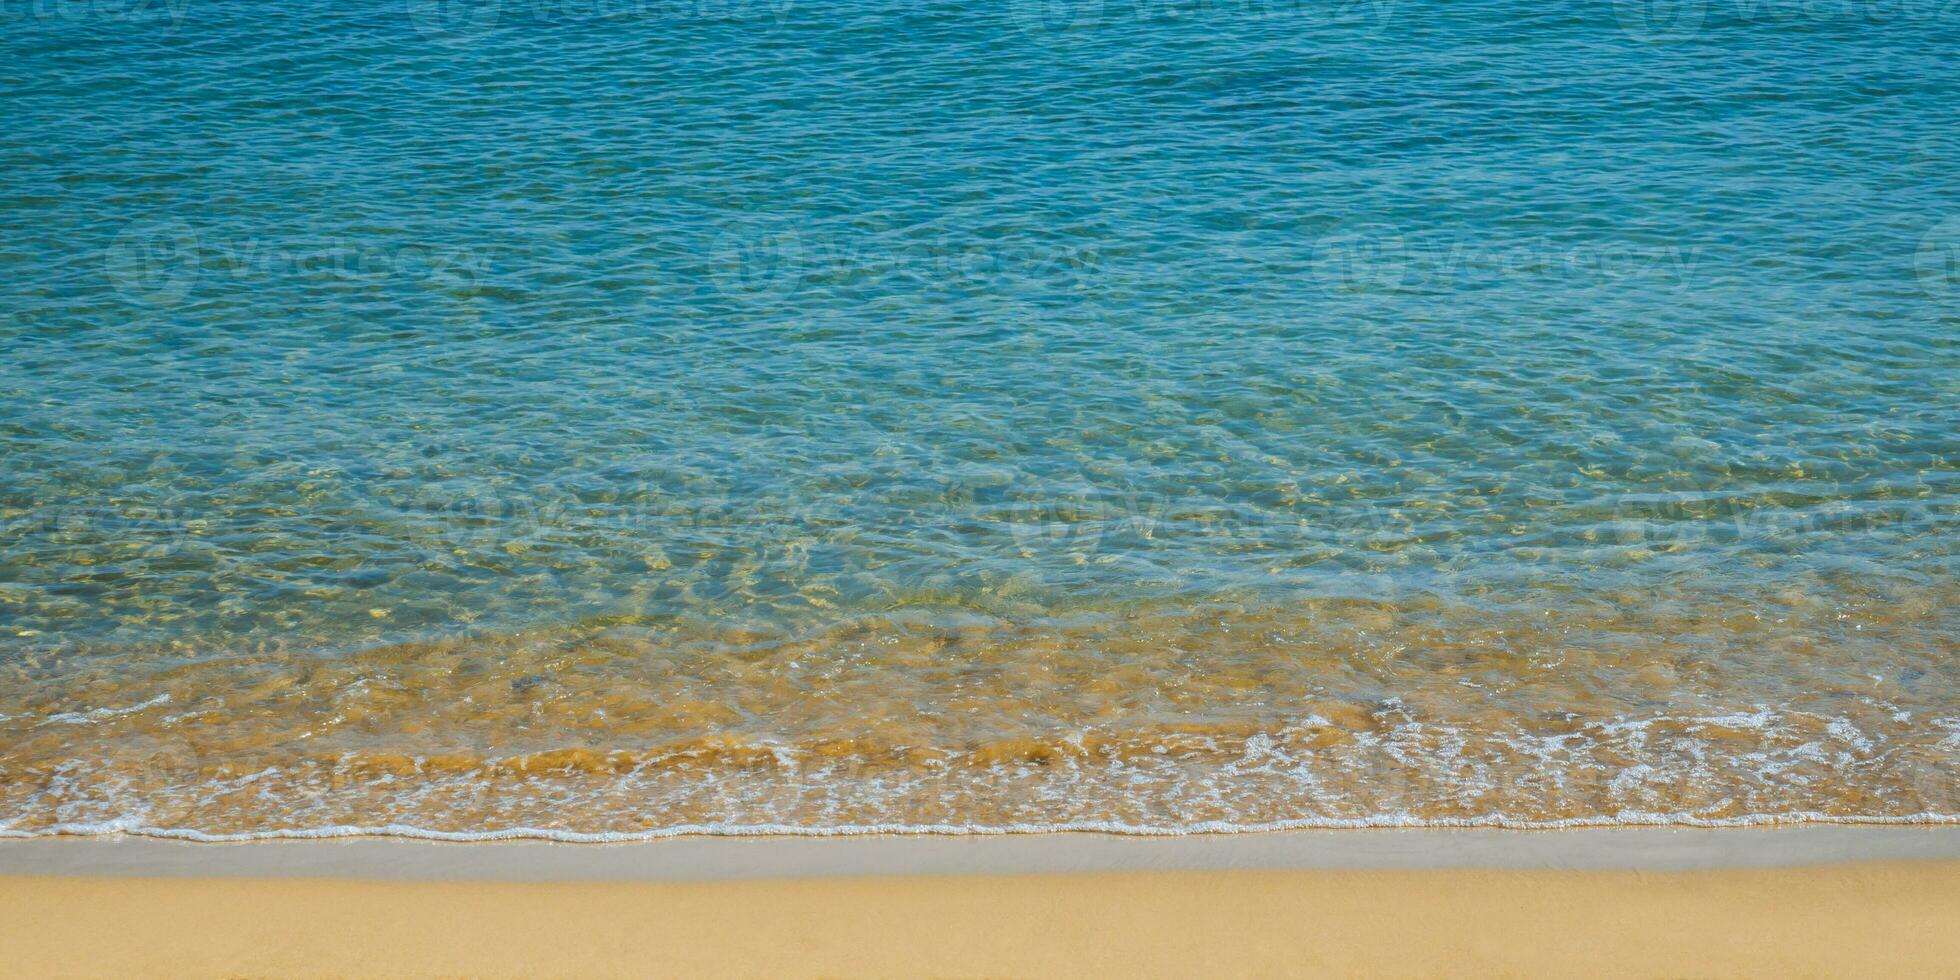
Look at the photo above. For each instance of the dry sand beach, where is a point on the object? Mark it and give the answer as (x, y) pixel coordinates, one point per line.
(1803, 901)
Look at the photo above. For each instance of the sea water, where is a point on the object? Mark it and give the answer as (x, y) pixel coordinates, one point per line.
(630, 417)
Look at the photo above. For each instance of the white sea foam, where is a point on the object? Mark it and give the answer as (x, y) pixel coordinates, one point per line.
(103, 714)
(1756, 721)
(1388, 820)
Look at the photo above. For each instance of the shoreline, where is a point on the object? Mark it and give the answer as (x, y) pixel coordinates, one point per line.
(766, 856)
(1216, 828)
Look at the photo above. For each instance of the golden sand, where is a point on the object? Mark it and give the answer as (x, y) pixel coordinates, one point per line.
(1842, 920)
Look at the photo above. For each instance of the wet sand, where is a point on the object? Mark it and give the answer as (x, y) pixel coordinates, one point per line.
(1641, 902)
(1271, 717)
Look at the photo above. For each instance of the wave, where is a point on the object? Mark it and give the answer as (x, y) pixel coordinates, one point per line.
(1383, 821)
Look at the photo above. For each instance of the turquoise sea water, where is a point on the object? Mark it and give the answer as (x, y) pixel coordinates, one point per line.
(617, 417)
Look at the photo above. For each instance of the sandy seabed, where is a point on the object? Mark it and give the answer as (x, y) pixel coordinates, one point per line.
(1660, 903)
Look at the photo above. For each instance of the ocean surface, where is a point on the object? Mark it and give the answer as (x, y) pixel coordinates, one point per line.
(595, 419)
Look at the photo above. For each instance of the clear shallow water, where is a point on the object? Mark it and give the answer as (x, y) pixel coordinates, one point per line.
(613, 419)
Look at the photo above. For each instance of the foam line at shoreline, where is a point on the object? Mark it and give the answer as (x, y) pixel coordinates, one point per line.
(728, 857)
(1381, 821)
